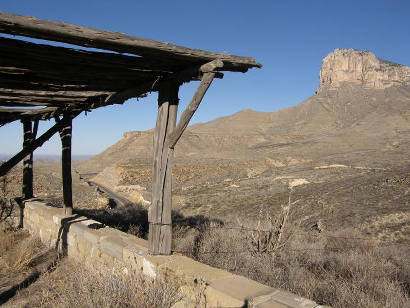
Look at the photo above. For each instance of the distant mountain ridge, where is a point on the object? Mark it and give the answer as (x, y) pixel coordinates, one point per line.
(363, 104)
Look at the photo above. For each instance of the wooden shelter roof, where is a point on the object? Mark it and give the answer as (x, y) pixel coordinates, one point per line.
(40, 81)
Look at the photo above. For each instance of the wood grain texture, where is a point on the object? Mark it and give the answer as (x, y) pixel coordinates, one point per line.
(67, 80)
(190, 109)
(114, 41)
(65, 136)
(159, 216)
(27, 188)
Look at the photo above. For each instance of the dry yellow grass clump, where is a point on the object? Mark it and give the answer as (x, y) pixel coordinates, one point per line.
(76, 285)
(67, 283)
(17, 251)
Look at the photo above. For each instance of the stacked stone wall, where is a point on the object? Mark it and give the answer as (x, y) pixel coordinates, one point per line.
(89, 241)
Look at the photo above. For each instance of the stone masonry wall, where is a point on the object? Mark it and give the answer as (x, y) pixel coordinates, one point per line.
(201, 285)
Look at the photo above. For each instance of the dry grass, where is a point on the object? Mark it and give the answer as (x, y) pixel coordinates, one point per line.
(17, 251)
(70, 284)
(76, 285)
(339, 271)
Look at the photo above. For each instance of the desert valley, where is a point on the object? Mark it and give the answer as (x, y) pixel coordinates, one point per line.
(314, 199)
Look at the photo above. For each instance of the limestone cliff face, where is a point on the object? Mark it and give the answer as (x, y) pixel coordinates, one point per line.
(363, 68)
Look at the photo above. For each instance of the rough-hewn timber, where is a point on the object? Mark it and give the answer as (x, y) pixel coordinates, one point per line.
(88, 37)
(160, 224)
(65, 136)
(196, 100)
(27, 188)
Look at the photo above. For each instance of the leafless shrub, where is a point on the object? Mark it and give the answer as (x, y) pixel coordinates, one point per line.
(6, 206)
(346, 270)
(267, 235)
(343, 269)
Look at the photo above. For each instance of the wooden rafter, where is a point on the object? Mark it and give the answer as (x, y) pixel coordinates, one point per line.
(88, 37)
(65, 79)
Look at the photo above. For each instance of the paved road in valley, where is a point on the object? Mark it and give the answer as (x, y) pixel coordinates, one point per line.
(119, 200)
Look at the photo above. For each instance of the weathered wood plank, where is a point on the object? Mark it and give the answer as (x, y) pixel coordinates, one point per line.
(10, 98)
(88, 37)
(81, 75)
(159, 139)
(65, 136)
(209, 74)
(27, 188)
(168, 164)
(53, 94)
(190, 109)
(12, 103)
(13, 48)
(160, 211)
(8, 115)
(24, 82)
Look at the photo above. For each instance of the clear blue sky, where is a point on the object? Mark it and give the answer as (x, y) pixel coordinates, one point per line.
(289, 38)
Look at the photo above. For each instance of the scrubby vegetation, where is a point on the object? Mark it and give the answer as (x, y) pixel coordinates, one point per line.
(31, 275)
(25, 262)
(17, 252)
(342, 269)
(339, 267)
(76, 285)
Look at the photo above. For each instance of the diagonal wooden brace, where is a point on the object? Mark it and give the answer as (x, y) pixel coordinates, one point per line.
(209, 74)
(5, 167)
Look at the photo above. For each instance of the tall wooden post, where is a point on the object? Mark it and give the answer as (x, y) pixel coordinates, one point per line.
(159, 216)
(65, 136)
(28, 161)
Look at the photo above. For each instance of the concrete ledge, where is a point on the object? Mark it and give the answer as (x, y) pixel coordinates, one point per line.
(201, 285)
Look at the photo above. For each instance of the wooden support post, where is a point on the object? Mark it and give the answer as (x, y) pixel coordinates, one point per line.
(28, 161)
(29, 136)
(65, 136)
(166, 135)
(159, 216)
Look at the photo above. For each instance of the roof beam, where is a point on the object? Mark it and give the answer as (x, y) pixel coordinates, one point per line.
(28, 50)
(114, 41)
(191, 73)
(60, 94)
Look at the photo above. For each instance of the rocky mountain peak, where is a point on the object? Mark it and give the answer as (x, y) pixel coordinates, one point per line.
(362, 68)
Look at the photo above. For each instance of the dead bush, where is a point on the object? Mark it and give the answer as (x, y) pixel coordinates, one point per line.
(6, 207)
(341, 270)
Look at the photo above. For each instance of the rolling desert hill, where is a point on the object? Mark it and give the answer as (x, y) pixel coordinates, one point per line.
(347, 145)
(360, 112)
